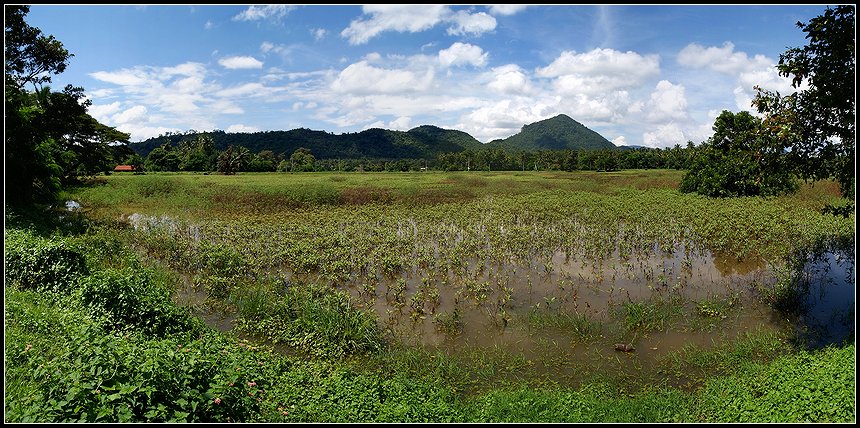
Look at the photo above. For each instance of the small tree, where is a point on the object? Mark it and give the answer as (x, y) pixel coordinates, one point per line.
(818, 123)
(302, 160)
(233, 159)
(741, 159)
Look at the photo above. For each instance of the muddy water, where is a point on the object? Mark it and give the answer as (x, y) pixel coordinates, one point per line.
(498, 307)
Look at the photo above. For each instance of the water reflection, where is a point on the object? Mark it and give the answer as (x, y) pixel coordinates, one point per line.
(826, 287)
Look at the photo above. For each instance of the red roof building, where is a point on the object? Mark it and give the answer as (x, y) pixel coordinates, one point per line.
(124, 168)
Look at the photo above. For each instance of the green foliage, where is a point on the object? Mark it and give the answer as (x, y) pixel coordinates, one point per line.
(36, 263)
(302, 160)
(130, 300)
(49, 137)
(61, 366)
(556, 133)
(818, 123)
(327, 392)
(590, 404)
(804, 387)
(740, 159)
(313, 319)
(233, 159)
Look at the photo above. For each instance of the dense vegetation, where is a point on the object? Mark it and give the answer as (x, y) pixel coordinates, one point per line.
(423, 142)
(100, 339)
(556, 133)
(269, 297)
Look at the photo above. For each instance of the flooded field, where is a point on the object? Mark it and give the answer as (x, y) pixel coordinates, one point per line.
(558, 297)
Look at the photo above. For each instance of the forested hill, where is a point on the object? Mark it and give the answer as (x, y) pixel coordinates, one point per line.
(421, 142)
(556, 133)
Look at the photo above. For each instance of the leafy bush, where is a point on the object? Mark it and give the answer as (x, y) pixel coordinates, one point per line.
(740, 159)
(41, 264)
(61, 366)
(129, 299)
(805, 387)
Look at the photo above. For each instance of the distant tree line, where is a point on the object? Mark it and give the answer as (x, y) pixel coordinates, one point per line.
(199, 154)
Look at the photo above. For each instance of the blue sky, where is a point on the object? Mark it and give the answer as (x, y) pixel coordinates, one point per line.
(639, 75)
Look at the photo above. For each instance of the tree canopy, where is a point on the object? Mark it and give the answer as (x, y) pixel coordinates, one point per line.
(742, 158)
(49, 137)
(817, 124)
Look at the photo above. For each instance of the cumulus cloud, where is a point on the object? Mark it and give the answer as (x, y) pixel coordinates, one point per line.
(240, 62)
(722, 59)
(599, 70)
(666, 135)
(257, 12)
(135, 114)
(102, 111)
(747, 71)
(461, 54)
(463, 22)
(510, 79)
(363, 78)
(242, 128)
(401, 123)
(413, 19)
(400, 18)
(506, 9)
(667, 102)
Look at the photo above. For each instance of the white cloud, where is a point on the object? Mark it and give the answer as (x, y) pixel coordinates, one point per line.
(722, 59)
(746, 71)
(256, 12)
(318, 33)
(461, 54)
(412, 19)
(143, 132)
(136, 114)
(510, 79)
(240, 62)
(101, 111)
(599, 71)
(619, 141)
(471, 23)
(247, 89)
(122, 77)
(666, 135)
(400, 18)
(401, 123)
(184, 69)
(506, 9)
(503, 118)
(667, 102)
(208, 25)
(226, 107)
(363, 78)
(242, 128)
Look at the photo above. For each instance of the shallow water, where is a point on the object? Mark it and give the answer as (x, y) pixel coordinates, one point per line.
(826, 313)
(539, 309)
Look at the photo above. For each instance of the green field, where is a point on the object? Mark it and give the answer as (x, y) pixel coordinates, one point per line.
(423, 296)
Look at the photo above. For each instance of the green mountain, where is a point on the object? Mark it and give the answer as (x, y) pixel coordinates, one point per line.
(423, 142)
(556, 133)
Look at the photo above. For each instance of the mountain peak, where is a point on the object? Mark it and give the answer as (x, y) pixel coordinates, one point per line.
(559, 132)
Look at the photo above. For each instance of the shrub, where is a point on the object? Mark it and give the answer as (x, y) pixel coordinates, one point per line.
(129, 299)
(37, 263)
